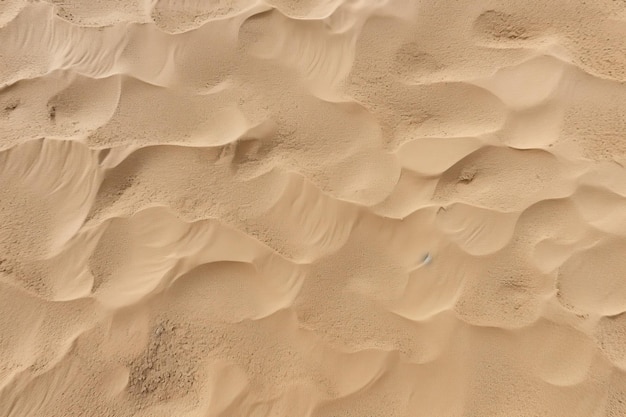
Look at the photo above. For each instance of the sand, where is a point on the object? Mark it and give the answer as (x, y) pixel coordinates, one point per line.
(312, 208)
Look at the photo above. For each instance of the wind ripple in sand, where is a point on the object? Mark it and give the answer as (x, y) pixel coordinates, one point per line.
(312, 208)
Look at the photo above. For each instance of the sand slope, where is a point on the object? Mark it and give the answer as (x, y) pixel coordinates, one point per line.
(324, 208)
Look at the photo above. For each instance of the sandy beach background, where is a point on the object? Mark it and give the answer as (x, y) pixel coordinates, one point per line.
(312, 208)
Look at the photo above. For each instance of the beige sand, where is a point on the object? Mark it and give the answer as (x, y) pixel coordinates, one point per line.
(324, 208)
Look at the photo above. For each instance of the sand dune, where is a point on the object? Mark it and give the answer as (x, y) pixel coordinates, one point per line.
(314, 208)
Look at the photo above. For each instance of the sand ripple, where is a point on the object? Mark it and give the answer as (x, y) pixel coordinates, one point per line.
(312, 208)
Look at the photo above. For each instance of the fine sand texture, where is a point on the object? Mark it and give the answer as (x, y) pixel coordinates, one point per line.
(312, 208)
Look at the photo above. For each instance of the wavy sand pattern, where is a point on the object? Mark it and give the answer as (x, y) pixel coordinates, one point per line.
(324, 208)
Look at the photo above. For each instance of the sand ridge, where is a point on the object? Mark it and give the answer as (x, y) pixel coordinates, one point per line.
(312, 208)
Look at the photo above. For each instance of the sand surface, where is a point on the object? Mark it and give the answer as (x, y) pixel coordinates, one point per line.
(312, 208)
